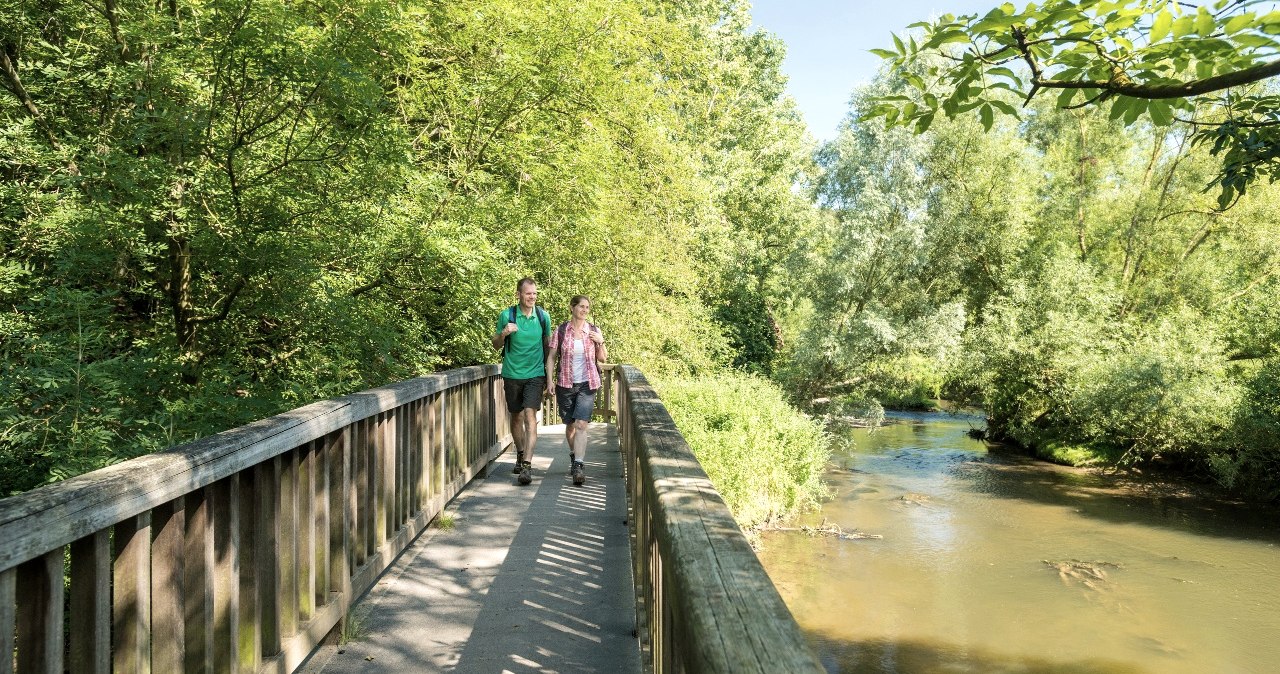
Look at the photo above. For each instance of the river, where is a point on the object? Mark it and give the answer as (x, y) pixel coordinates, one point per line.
(993, 562)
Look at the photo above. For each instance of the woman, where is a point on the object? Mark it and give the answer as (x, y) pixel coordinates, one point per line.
(576, 378)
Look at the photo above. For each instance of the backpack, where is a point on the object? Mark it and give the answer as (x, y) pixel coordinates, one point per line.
(543, 319)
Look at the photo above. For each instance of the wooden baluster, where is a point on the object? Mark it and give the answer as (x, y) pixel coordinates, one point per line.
(224, 498)
(363, 529)
(249, 626)
(266, 557)
(40, 594)
(131, 596)
(168, 644)
(90, 603)
(402, 466)
(305, 560)
(340, 449)
(369, 496)
(385, 477)
(8, 617)
(198, 583)
(323, 454)
(286, 532)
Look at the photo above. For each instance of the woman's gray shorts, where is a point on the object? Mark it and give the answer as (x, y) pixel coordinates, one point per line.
(576, 402)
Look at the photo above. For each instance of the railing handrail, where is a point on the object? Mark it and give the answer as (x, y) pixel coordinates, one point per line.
(55, 515)
(702, 594)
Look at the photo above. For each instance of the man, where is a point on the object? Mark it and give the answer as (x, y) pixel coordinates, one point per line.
(523, 331)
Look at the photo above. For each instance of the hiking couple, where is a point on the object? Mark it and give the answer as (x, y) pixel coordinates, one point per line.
(529, 353)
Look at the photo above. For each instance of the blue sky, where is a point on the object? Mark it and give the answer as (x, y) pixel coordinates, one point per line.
(827, 43)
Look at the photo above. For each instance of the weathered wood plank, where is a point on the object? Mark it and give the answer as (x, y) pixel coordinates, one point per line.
(267, 556)
(306, 531)
(8, 617)
(320, 525)
(224, 497)
(384, 478)
(197, 574)
(168, 621)
(40, 595)
(341, 517)
(248, 624)
(364, 535)
(131, 596)
(287, 545)
(91, 604)
(57, 514)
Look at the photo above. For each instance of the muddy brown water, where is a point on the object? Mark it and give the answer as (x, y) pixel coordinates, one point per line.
(992, 562)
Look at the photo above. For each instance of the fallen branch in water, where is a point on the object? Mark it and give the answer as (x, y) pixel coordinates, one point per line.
(826, 529)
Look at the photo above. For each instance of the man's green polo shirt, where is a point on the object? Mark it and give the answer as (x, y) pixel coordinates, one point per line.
(524, 357)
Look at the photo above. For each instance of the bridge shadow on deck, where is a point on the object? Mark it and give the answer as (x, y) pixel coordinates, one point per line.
(530, 578)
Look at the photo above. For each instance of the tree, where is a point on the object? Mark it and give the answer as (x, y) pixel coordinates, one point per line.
(1160, 60)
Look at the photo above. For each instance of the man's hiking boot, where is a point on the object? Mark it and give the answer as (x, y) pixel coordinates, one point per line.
(526, 472)
(515, 470)
(578, 475)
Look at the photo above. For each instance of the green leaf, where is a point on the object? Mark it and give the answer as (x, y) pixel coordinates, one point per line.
(1256, 41)
(1005, 108)
(948, 37)
(1160, 27)
(902, 49)
(1135, 111)
(1064, 98)
(1182, 26)
(923, 123)
(1160, 112)
(987, 116)
(1239, 23)
(883, 53)
(1204, 22)
(1001, 71)
(1118, 106)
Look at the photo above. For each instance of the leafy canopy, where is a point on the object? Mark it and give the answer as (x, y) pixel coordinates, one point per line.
(1158, 60)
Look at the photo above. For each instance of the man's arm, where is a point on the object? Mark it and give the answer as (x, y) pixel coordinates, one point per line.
(502, 330)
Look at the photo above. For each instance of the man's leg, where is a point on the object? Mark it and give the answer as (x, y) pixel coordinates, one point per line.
(530, 417)
(517, 438)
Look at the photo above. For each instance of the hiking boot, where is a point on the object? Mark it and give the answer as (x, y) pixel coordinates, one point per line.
(526, 473)
(577, 472)
(515, 470)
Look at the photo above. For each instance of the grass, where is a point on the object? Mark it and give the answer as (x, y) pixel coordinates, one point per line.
(445, 521)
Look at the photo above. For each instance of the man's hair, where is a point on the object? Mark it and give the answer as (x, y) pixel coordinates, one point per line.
(578, 299)
(522, 282)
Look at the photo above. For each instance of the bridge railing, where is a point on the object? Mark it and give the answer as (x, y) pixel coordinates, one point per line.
(242, 550)
(704, 603)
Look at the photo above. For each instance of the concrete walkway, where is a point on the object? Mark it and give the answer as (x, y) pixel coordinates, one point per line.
(530, 578)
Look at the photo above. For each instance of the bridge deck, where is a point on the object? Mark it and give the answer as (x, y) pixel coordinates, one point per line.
(530, 578)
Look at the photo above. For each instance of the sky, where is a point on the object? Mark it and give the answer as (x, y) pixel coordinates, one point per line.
(827, 43)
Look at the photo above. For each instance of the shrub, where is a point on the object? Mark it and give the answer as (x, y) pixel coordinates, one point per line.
(764, 456)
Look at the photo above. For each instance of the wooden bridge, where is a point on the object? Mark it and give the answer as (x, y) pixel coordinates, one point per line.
(249, 550)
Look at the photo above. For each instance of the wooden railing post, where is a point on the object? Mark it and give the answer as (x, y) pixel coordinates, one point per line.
(90, 604)
(39, 616)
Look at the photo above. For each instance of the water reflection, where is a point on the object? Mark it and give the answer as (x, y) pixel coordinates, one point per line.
(991, 562)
